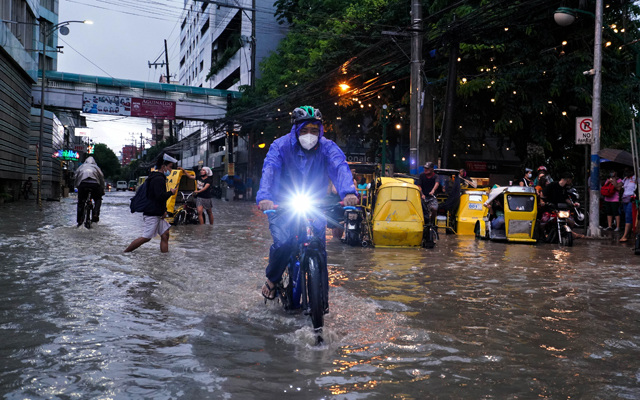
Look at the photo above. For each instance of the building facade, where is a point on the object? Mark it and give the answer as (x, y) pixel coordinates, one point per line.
(221, 47)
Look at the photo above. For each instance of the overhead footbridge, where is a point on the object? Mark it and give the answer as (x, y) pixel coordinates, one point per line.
(123, 97)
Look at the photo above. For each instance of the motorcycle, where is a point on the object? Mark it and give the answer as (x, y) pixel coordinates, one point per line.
(580, 215)
(353, 226)
(557, 228)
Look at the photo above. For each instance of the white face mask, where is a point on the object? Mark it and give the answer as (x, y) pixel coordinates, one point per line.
(308, 141)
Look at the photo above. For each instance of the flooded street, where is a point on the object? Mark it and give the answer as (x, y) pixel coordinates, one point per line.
(468, 319)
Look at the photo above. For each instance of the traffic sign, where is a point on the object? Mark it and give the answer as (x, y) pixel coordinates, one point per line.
(584, 130)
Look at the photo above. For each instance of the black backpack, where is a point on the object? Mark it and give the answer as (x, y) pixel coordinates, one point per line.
(140, 201)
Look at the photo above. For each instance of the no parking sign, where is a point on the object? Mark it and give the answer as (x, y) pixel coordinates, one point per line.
(584, 130)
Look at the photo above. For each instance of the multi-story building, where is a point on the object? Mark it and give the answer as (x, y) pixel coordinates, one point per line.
(21, 26)
(129, 152)
(221, 48)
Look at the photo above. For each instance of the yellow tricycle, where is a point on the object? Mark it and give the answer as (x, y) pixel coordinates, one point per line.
(509, 214)
(181, 207)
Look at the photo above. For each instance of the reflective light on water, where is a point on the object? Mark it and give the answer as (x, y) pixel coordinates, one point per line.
(81, 319)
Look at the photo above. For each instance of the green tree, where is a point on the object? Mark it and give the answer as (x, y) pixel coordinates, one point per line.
(107, 161)
(519, 85)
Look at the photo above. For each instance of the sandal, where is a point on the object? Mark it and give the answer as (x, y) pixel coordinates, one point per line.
(268, 292)
(623, 240)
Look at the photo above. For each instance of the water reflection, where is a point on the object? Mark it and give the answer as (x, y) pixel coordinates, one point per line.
(468, 319)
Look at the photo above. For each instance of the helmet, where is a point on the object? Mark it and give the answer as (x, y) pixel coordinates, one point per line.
(304, 114)
(542, 168)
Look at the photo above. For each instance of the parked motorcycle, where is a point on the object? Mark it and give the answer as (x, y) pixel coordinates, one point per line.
(353, 226)
(580, 215)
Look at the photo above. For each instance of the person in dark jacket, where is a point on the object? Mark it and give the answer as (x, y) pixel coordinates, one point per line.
(153, 216)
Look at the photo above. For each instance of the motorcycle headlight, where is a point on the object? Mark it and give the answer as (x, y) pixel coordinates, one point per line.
(563, 214)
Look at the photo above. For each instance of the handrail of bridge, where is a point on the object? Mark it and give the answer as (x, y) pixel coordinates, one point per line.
(126, 83)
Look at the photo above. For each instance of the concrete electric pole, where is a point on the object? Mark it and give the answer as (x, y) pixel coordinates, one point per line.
(416, 85)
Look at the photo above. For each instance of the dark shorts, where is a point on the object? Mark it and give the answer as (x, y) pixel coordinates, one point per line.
(628, 212)
(612, 208)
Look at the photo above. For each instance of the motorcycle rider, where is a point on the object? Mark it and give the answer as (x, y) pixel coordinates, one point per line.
(556, 193)
(89, 179)
(301, 162)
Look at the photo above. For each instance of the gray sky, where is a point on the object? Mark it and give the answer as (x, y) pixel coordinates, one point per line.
(124, 37)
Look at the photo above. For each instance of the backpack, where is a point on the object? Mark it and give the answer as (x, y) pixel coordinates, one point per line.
(140, 201)
(608, 190)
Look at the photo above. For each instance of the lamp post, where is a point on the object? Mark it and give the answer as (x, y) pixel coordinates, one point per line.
(565, 16)
(45, 36)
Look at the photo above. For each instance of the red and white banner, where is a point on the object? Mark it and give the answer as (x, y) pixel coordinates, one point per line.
(94, 103)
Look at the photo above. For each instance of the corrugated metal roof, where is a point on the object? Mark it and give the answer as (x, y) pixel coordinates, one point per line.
(126, 83)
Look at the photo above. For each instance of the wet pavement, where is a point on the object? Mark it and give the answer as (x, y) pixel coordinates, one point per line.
(468, 319)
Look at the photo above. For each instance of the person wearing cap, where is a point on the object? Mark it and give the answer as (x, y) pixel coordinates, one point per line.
(204, 193)
(526, 180)
(428, 184)
(153, 216)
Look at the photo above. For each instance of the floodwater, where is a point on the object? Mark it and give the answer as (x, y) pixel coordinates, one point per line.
(469, 319)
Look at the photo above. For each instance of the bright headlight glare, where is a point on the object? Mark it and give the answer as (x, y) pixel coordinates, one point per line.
(301, 204)
(563, 214)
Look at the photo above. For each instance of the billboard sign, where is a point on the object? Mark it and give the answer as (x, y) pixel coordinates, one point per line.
(81, 131)
(94, 103)
(584, 130)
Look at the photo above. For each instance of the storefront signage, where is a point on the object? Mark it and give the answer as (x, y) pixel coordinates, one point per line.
(128, 106)
(66, 155)
(479, 166)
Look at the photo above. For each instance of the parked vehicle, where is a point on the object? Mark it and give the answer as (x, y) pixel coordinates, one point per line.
(353, 217)
(184, 186)
(132, 185)
(579, 213)
(121, 185)
(141, 180)
(519, 205)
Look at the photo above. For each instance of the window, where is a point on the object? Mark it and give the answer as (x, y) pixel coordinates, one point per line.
(521, 203)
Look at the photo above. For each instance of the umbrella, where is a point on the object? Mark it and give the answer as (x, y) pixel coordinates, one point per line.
(616, 156)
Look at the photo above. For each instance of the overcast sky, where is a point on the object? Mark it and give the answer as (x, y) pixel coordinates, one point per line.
(124, 37)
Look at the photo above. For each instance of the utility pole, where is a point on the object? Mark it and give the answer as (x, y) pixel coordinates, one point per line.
(166, 58)
(594, 189)
(452, 84)
(416, 84)
(141, 145)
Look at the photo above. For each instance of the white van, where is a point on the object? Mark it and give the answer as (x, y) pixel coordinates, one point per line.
(122, 185)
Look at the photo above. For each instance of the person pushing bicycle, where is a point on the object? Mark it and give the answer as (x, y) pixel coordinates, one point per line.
(300, 163)
(89, 179)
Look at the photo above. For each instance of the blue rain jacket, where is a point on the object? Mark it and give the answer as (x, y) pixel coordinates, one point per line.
(289, 169)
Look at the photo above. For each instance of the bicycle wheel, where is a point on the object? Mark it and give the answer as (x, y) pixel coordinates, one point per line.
(180, 218)
(315, 292)
(87, 214)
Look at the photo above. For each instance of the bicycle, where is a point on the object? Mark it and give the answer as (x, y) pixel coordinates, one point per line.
(302, 283)
(88, 210)
(186, 213)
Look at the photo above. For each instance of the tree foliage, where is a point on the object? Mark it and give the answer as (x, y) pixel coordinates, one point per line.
(107, 161)
(518, 83)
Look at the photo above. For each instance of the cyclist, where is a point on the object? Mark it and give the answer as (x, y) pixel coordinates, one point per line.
(301, 162)
(89, 179)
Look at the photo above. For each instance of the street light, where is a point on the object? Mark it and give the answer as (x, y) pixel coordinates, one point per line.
(45, 34)
(565, 16)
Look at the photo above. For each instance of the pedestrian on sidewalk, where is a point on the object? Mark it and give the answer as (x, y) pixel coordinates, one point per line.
(153, 216)
(613, 185)
(629, 187)
(26, 188)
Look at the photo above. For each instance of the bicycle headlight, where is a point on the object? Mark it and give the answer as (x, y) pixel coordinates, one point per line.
(564, 214)
(301, 204)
